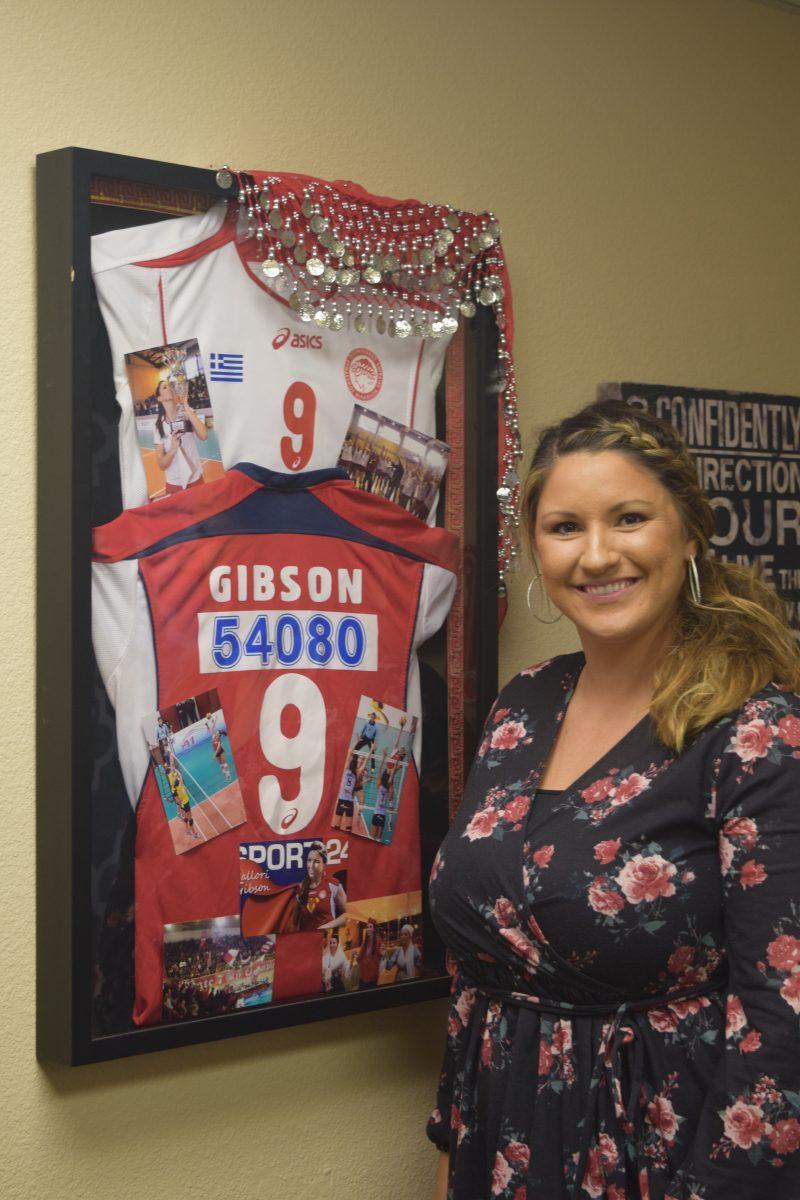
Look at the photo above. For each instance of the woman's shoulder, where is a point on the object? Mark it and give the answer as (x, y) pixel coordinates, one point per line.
(767, 721)
(762, 733)
(774, 708)
(559, 671)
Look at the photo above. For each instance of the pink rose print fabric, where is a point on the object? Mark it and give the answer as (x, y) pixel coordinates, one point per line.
(625, 1017)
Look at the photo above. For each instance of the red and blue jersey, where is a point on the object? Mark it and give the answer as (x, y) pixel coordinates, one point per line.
(292, 596)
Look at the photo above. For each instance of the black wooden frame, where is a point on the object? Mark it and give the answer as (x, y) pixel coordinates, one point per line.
(64, 649)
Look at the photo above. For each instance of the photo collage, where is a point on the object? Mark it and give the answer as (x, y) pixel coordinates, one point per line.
(287, 887)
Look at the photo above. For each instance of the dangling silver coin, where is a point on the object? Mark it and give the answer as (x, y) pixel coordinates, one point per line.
(307, 208)
(315, 266)
(447, 275)
(494, 229)
(329, 274)
(391, 262)
(440, 248)
(318, 223)
(348, 258)
(486, 240)
(467, 308)
(391, 328)
(474, 245)
(265, 201)
(337, 248)
(275, 218)
(445, 235)
(271, 268)
(326, 239)
(288, 238)
(427, 255)
(306, 312)
(322, 318)
(402, 327)
(380, 324)
(487, 296)
(449, 324)
(300, 254)
(224, 178)
(417, 328)
(337, 321)
(344, 276)
(295, 301)
(372, 274)
(437, 329)
(360, 323)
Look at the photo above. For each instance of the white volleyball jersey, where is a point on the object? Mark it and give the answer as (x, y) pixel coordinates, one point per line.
(282, 390)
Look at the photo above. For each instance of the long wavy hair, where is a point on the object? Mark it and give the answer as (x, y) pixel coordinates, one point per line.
(738, 638)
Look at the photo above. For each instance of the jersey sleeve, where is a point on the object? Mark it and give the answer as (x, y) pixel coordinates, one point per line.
(123, 643)
(747, 1140)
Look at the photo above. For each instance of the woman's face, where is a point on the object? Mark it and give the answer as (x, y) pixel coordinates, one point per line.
(315, 864)
(164, 391)
(370, 929)
(612, 546)
(333, 944)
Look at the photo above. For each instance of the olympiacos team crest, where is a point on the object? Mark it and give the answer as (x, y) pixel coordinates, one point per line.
(363, 373)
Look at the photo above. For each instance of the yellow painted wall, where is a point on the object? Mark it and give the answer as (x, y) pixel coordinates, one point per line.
(642, 155)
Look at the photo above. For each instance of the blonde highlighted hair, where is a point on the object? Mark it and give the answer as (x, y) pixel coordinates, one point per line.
(738, 638)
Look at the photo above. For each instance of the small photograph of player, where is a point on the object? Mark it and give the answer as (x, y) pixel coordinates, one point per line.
(194, 768)
(174, 418)
(381, 744)
(210, 969)
(320, 900)
(382, 941)
(392, 460)
(295, 886)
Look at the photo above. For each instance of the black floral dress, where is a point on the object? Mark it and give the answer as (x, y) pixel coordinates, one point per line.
(624, 1019)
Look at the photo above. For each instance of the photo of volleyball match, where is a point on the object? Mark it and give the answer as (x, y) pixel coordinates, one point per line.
(392, 460)
(174, 418)
(193, 764)
(210, 969)
(368, 800)
(379, 943)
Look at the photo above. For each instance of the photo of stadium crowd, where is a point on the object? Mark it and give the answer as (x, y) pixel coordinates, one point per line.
(210, 969)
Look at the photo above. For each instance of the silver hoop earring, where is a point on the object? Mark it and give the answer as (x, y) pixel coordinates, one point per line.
(544, 620)
(694, 581)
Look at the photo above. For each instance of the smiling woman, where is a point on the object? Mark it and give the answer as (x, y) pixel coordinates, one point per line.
(621, 885)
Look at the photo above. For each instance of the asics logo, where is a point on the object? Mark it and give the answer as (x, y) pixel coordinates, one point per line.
(296, 341)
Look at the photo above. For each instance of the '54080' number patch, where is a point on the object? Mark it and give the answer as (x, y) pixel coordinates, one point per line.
(271, 640)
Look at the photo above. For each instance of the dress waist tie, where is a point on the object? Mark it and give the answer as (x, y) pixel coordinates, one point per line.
(619, 1014)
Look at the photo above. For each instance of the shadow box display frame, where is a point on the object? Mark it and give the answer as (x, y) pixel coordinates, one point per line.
(85, 827)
